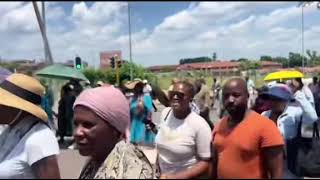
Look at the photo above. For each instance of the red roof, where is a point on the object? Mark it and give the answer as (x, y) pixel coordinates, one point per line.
(210, 65)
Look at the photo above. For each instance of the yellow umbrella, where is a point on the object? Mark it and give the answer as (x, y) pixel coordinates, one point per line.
(280, 75)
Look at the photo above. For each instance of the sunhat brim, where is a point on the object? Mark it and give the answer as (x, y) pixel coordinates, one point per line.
(11, 100)
(132, 85)
(269, 95)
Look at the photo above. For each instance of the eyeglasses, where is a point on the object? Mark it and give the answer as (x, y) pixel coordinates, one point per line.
(180, 95)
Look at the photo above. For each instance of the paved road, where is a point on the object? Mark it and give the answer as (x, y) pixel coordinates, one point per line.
(70, 164)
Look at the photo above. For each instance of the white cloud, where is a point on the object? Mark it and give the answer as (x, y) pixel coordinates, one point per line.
(15, 19)
(198, 30)
(8, 6)
(232, 29)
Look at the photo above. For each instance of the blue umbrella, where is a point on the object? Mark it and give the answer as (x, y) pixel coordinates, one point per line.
(4, 73)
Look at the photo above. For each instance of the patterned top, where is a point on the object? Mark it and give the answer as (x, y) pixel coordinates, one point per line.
(126, 161)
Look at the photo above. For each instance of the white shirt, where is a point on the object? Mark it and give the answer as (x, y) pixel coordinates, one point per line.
(308, 93)
(37, 144)
(250, 86)
(147, 89)
(2, 128)
(181, 142)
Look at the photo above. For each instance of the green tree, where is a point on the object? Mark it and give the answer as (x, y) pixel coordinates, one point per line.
(10, 65)
(109, 75)
(295, 59)
(249, 65)
(214, 56)
(282, 60)
(314, 59)
(195, 60)
(243, 60)
(265, 58)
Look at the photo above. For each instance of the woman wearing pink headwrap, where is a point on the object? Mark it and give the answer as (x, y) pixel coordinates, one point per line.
(102, 120)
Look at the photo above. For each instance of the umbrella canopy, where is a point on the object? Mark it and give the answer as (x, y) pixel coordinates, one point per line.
(4, 73)
(58, 71)
(281, 75)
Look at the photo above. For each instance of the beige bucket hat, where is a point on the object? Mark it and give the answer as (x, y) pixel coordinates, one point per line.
(23, 92)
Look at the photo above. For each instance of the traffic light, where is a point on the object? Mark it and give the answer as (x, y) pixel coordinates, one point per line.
(119, 63)
(112, 62)
(78, 63)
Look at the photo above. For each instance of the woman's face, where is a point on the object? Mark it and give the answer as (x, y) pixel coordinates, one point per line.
(294, 85)
(138, 89)
(7, 114)
(94, 136)
(179, 98)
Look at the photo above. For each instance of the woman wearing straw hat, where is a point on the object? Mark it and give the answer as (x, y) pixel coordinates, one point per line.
(28, 146)
(140, 109)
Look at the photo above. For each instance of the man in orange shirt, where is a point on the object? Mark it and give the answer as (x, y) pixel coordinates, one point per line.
(245, 144)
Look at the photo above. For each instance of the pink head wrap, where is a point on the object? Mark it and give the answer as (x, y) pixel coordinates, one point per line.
(110, 104)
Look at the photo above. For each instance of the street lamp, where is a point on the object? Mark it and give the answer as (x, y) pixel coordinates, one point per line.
(42, 30)
(130, 44)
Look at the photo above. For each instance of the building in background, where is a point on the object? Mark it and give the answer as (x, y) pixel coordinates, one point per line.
(105, 57)
(213, 67)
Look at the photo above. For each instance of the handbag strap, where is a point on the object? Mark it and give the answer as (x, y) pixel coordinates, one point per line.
(300, 127)
(167, 115)
(315, 133)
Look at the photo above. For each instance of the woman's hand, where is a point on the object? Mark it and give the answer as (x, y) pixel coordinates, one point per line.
(167, 176)
(47, 168)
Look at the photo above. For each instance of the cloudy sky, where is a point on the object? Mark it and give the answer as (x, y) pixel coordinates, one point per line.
(162, 32)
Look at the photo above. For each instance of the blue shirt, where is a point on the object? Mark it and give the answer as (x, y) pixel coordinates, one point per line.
(288, 121)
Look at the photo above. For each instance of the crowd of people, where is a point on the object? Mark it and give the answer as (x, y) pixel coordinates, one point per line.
(255, 137)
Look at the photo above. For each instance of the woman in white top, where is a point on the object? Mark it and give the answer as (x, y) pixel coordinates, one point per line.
(183, 141)
(29, 148)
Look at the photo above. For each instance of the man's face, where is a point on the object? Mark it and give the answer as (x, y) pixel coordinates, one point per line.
(278, 105)
(235, 97)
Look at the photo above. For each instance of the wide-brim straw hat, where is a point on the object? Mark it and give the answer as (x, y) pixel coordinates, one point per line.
(132, 84)
(24, 93)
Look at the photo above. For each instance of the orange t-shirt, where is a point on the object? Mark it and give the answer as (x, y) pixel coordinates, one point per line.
(239, 149)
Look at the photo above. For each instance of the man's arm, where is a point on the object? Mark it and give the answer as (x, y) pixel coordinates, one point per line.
(273, 161)
(213, 167)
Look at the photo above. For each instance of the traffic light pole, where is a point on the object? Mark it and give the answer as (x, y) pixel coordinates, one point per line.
(117, 71)
(118, 75)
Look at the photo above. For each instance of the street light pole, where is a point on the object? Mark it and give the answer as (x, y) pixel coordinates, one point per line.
(44, 29)
(44, 36)
(304, 4)
(302, 30)
(130, 44)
